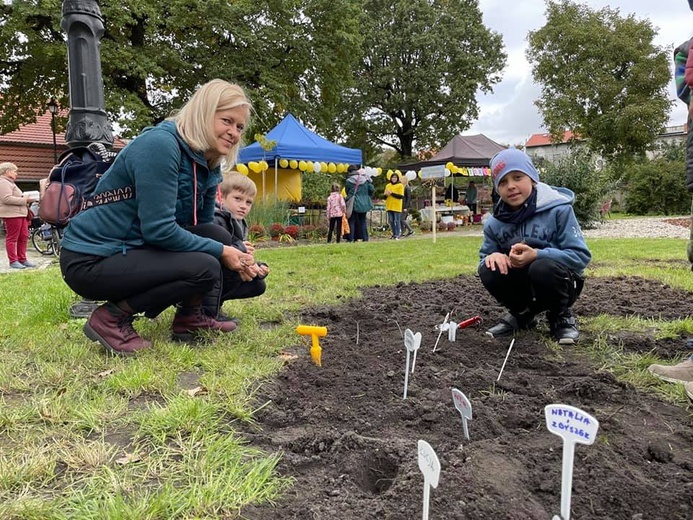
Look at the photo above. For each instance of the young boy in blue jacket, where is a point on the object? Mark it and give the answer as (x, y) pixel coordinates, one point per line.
(533, 254)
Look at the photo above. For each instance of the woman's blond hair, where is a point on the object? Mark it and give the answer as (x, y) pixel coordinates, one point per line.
(7, 167)
(195, 121)
(235, 181)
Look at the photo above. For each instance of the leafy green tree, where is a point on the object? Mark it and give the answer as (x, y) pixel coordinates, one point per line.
(423, 64)
(601, 76)
(289, 54)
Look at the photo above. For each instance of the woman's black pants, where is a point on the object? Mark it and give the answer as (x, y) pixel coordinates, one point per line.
(151, 280)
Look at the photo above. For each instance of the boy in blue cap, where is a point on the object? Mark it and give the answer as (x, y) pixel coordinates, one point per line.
(533, 254)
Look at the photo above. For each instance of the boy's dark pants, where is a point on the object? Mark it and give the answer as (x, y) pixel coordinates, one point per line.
(545, 285)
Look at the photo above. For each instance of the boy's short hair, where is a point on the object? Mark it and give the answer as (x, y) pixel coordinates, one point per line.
(235, 181)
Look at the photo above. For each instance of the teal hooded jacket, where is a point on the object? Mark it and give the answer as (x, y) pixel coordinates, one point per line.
(159, 164)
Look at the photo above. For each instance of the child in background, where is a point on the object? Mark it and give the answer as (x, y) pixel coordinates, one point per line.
(238, 193)
(336, 207)
(533, 253)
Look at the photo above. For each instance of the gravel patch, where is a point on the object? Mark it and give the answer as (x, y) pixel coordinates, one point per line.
(641, 227)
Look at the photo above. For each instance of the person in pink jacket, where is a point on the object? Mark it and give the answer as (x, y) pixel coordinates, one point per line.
(336, 207)
(14, 210)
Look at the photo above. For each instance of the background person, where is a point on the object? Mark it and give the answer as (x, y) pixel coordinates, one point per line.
(470, 198)
(161, 248)
(335, 209)
(406, 206)
(359, 186)
(533, 253)
(14, 210)
(238, 194)
(394, 196)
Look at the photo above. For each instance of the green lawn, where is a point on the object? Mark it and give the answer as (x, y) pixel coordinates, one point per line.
(87, 436)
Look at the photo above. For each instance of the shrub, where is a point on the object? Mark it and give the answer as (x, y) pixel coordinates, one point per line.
(657, 187)
(578, 173)
(450, 226)
(257, 230)
(307, 232)
(292, 231)
(276, 230)
(442, 226)
(426, 226)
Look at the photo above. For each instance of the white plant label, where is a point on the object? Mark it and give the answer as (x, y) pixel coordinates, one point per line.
(430, 467)
(575, 427)
(452, 331)
(464, 407)
(412, 342)
(442, 327)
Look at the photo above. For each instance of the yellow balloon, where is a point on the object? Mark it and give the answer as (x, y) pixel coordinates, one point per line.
(293, 164)
(449, 166)
(254, 166)
(302, 165)
(389, 173)
(323, 166)
(454, 169)
(380, 171)
(331, 168)
(309, 167)
(418, 174)
(283, 163)
(242, 168)
(399, 173)
(340, 168)
(263, 165)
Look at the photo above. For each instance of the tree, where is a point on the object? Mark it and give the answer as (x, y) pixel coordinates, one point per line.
(417, 80)
(601, 77)
(289, 54)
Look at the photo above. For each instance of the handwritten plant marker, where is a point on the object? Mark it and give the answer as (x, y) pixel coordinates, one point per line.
(412, 342)
(506, 359)
(452, 331)
(441, 328)
(464, 407)
(430, 467)
(573, 426)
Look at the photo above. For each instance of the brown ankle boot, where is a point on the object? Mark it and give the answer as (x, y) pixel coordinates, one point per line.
(112, 327)
(189, 321)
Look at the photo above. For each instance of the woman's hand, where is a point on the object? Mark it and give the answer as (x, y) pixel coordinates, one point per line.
(237, 260)
(498, 261)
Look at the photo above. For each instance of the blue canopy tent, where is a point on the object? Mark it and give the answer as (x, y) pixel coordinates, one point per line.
(293, 142)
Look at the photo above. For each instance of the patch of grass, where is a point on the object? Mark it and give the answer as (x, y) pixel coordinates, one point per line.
(84, 435)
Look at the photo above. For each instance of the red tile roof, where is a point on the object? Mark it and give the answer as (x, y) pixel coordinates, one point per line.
(31, 148)
(545, 139)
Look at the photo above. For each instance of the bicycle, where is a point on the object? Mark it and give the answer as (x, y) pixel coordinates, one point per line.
(47, 239)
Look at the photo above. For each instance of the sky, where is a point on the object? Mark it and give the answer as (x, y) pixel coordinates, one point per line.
(508, 115)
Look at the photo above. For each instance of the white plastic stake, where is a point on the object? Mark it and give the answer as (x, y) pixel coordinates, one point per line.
(573, 426)
(430, 467)
(411, 342)
(506, 359)
(464, 407)
(441, 328)
(452, 331)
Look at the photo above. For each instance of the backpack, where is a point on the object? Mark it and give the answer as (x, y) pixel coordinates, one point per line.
(72, 182)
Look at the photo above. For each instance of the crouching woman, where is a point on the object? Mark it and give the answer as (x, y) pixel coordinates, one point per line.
(160, 247)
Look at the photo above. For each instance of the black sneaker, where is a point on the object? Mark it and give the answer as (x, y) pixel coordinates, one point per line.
(563, 327)
(510, 323)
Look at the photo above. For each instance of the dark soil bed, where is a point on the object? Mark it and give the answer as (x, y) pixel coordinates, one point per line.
(349, 438)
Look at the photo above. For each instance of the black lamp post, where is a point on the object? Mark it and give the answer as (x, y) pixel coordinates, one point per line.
(53, 109)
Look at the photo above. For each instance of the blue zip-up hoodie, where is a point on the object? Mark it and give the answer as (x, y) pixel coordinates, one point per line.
(552, 230)
(159, 164)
